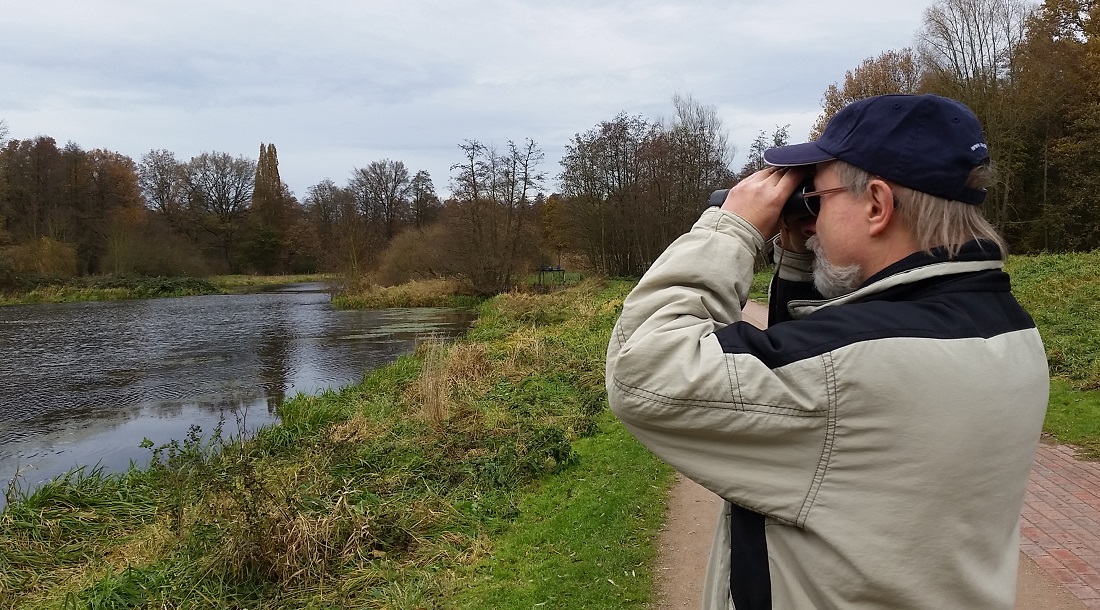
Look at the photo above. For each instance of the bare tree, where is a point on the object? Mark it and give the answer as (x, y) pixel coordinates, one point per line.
(603, 181)
(972, 41)
(755, 161)
(219, 193)
(495, 233)
(633, 186)
(339, 226)
(699, 158)
(968, 48)
(163, 182)
(382, 191)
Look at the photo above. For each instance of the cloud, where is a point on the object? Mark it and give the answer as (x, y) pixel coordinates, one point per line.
(338, 84)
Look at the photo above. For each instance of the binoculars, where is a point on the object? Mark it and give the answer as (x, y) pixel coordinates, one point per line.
(796, 203)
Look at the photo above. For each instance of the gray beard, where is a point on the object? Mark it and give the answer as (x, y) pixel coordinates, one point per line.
(833, 280)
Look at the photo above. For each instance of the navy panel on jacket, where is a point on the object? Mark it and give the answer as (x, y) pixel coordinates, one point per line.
(977, 304)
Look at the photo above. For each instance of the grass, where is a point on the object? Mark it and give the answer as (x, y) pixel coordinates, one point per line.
(585, 540)
(1073, 417)
(111, 288)
(485, 473)
(1062, 293)
(760, 282)
(417, 293)
(230, 283)
(105, 288)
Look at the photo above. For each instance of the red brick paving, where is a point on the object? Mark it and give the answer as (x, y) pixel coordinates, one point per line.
(1060, 525)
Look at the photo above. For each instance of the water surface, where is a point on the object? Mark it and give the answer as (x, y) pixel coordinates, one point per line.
(84, 383)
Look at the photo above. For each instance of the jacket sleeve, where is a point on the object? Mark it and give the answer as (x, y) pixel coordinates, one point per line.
(754, 436)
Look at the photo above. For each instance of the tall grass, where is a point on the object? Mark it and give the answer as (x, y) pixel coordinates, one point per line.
(404, 491)
(32, 290)
(418, 293)
(105, 288)
(235, 282)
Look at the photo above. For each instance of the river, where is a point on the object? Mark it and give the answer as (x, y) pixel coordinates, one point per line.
(85, 383)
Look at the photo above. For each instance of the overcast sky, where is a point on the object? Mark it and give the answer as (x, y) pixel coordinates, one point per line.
(337, 84)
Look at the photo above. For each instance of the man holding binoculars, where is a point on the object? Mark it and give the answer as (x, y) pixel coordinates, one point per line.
(873, 444)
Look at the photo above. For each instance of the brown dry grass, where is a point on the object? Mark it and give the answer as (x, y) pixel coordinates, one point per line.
(417, 293)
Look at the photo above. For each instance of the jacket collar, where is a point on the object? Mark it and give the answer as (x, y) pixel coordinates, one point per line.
(917, 267)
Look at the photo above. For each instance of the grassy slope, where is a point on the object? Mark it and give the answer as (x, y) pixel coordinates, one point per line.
(484, 474)
(110, 288)
(401, 490)
(1062, 292)
(586, 539)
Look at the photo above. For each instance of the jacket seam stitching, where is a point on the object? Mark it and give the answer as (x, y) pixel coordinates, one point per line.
(718, 404)
(827, 444)
(735, 382)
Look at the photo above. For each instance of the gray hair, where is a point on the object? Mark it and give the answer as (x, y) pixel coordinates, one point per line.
(934, 221)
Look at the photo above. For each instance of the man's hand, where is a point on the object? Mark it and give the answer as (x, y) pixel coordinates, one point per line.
(760, 197)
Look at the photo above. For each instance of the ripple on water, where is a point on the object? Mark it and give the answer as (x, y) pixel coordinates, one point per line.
(83, 383)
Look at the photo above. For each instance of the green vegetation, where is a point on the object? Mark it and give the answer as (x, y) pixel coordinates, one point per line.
(440, 292)
(105, 288)
(1062, 293)
(1074, 417)
(760, 282)
(111, 288)
(484, 474)
(418, 293)
(234, 283)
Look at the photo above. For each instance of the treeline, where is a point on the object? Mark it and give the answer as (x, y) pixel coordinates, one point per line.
(1031, 72)
(628, 186)
(69, 212)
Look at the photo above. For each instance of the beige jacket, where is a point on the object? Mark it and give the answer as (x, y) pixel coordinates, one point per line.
(886, 435)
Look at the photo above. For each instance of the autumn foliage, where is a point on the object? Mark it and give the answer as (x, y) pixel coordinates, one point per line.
(626, 187)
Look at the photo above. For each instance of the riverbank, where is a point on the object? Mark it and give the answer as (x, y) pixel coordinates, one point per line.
(110, 288)
(487, 473)
(416, 293)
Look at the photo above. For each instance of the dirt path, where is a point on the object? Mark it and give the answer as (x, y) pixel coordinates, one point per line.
(693, 514)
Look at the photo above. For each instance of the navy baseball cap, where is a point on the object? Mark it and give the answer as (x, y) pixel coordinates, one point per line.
(927, 143)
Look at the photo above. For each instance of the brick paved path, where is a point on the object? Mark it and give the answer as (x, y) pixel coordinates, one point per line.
(1060, 525)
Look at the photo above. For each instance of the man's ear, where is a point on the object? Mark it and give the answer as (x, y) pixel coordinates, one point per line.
(880, 207)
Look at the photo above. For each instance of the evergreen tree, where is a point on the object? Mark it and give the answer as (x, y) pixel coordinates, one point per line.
(266, 247)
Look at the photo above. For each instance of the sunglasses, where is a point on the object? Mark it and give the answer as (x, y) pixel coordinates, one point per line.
(811, 200)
